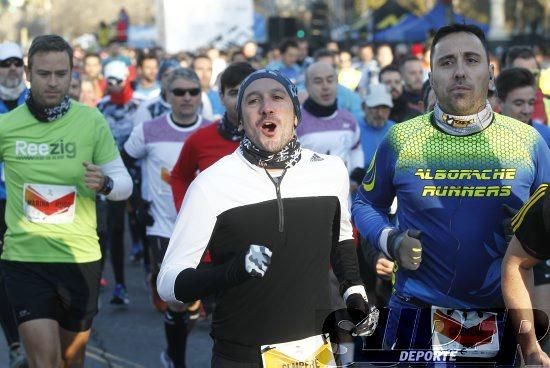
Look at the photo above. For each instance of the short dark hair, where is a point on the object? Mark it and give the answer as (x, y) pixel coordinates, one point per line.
(456, 28)
(234, 74)
(235, 54)
(518, 52)
(406, 60)
(50, 43)
(388, 69)
(365, 45)
(320, 53)
(92, 55)
(146, 56)
(510, 79)
(286, 43)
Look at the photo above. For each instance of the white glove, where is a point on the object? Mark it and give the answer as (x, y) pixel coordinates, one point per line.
(257, 260)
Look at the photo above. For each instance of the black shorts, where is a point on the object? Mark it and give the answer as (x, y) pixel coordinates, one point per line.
(158, 246)
(65, 292)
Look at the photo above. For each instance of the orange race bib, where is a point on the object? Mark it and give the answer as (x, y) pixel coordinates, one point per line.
(50, 204)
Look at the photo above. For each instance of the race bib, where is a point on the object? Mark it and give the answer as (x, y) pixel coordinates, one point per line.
(313, 351)
(50, 204)
(468, 334)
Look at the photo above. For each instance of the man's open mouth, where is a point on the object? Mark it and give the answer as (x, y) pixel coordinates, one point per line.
(268, 128)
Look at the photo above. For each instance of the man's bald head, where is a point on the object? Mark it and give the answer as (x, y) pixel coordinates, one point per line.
(321, 81)
(319, 67)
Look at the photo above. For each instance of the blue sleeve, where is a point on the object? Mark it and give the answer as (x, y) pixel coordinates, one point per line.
(544, 131)
(541, 159)
(375, 195)
(217, 105)
(356, 108)
(349, 100)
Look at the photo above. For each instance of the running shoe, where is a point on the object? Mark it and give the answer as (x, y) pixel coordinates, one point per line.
(17, 358)
(136, 252)
(120, 295)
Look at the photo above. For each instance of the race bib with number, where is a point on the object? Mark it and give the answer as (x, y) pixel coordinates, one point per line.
(468, 333)
(50, 204)
(313, 351)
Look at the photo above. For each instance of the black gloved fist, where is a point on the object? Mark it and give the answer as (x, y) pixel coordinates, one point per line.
(405, 248)
(507, 222)
(363, 316)
(254, 262)
(357, 175)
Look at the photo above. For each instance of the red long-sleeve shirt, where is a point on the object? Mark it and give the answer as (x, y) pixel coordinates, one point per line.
(201, 149)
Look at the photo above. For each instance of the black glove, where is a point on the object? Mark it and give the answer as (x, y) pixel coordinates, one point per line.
(405, 248)
(357, 175)
(363, 316)
(507, 222)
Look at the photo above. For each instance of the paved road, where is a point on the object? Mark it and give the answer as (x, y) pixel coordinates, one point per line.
(133, 336)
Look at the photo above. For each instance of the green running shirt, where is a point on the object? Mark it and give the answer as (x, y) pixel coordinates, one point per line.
(50, 213)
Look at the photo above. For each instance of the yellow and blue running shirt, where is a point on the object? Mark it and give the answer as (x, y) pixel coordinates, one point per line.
(452, 188)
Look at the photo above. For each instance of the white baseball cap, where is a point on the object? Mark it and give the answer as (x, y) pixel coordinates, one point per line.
(10, 50)
(378, 96)
(116, 69)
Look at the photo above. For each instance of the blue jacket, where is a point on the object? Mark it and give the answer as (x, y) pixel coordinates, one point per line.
(4, 109)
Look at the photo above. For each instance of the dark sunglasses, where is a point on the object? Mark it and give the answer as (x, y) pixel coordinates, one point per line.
(11, 61)
(114, 81)
(182, 91)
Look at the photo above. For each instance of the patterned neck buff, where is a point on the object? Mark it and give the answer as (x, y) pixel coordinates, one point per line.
(284, 159)
(229, 131)
(48, 114)
(463, 125)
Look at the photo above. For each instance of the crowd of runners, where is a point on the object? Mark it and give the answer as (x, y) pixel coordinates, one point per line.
(289, 195)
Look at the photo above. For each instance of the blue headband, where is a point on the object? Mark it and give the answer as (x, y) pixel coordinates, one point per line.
(271, 74)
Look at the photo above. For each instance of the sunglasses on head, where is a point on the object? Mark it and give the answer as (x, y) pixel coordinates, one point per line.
(182, 91)
(114, 81)
(11, 61)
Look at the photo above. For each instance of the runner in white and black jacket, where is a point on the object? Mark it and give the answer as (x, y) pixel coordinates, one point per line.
(273, 222)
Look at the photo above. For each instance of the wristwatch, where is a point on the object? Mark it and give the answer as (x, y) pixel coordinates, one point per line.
(107, 186)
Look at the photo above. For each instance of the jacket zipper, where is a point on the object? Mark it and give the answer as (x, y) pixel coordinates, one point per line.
(280, 207)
